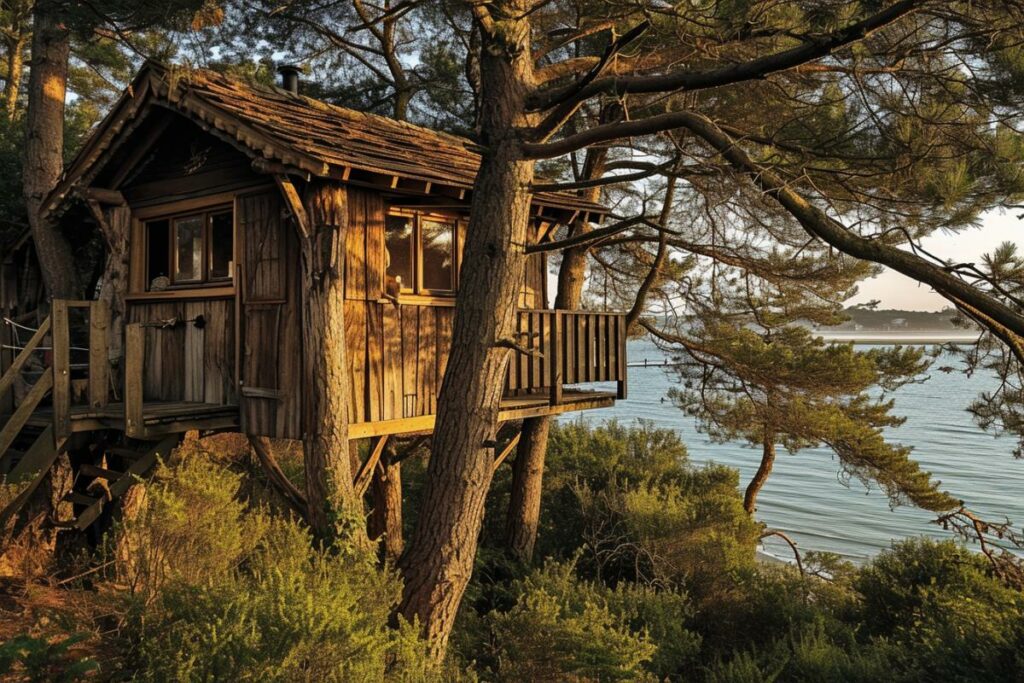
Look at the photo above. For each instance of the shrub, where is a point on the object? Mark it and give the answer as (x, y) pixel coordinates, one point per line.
(26, 658)
(223, 592)
(940, 601)
(560, 627)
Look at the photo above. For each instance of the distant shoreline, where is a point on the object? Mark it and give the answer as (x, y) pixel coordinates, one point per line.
(937, 338)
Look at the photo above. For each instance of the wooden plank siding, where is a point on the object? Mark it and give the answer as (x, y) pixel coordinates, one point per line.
(183, 363)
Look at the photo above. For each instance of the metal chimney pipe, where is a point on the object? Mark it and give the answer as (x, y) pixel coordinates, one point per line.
(289, 77)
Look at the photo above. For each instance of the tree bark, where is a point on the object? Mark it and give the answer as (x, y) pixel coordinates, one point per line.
(44, 147)
(527, 486)
(15, 65)
(523, 516)
(385, 521)
(332, 502)
(439, 560)
(761, 476)
(115, 226)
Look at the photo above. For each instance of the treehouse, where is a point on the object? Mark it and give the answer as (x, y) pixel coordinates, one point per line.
(194, 181)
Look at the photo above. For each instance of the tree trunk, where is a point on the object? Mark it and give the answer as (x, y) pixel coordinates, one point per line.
(761, 476)
(439, 560)
(15, 65)
(329, 492)
(44, 147)
(528, 469)
(385, 522)
(115, 224)
(527, 485)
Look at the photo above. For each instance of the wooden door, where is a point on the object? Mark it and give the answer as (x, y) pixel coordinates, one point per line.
(269, 324)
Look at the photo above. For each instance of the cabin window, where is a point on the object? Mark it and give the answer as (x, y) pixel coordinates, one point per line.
(190, 250)
(421, 255)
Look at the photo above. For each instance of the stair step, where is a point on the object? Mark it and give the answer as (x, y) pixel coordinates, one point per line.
(14, 453)
(99, 472)
(80, 498)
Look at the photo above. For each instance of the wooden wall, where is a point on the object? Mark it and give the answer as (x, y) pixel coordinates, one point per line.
(184, 363)
(271, 329)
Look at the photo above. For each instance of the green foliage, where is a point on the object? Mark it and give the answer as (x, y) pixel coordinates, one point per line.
(942, 602)
(223, 591)
(789, 387)
(37, 660)
(640, 510)
(561, 627)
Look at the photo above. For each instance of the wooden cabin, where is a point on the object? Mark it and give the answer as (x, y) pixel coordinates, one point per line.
(198, 324)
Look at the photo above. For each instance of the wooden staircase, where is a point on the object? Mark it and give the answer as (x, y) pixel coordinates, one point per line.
(96, 485)
(29, 447)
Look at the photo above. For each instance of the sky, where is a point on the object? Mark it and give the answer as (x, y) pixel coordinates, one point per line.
(897, 291)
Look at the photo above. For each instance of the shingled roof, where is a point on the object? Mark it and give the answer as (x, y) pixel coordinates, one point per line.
(296, 132)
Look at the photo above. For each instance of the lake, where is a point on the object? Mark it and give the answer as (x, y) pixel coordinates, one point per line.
(805, 496)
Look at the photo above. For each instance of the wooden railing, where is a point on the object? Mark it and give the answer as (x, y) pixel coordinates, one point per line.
(57, 378)
(559, 348)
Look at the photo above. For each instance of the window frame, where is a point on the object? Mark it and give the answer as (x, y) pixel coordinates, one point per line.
(206, 280)
(457, 224)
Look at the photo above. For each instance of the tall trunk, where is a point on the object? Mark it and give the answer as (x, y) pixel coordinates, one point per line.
(761, 476)
(439, 560)
(528, 469)
(115, 224)
(44, 147)
(385, 522)
(329, 490)
(15, 65)
(527, 485)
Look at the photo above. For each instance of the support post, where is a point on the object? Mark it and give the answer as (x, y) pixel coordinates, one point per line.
(61, 350)
(555, 358)
(134, 352)
(99, 358)
(623, 329)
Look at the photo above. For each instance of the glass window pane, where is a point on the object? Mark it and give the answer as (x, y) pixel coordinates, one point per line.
(398, 242)
(221, 246)
(188, 249)
(438, 252)
(158, 256)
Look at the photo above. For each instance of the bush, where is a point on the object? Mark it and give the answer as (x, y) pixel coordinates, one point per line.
(629, 497)
(223, 592)
(559, 627)
(940, 601)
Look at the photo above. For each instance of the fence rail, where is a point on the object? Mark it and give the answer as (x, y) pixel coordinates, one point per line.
(558, 348)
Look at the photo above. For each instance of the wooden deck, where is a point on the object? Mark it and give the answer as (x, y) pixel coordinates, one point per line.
(159, 417)
(168, 417)
(512, 408)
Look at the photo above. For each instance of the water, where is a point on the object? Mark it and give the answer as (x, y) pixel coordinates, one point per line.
(806, 498)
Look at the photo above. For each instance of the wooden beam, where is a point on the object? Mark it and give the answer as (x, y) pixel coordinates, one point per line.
(103, 196)
(99, 357)
(425, 423)
(295, 205)
(61, 351)
(134, 359)
(25, 410)
(19, 362)
(362, 480)
(513, 442)
(555, 358)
